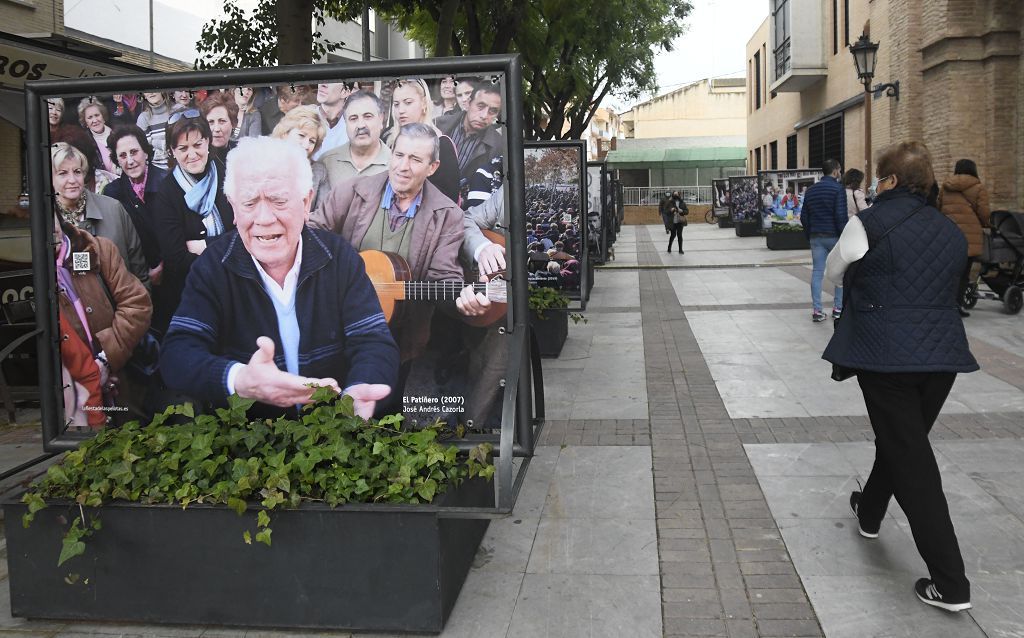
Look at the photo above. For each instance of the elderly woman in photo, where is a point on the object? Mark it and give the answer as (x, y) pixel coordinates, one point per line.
(249, 121)
(93, 116)
(190, 209)
(100, 215)
(899, 263)
(124, 108)
(411, 104)
(104, 307)
(221, 113)
(303, 126)
(153, 120)
(54, 113)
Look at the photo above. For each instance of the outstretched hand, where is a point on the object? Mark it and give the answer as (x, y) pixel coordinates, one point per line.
(262, 380)
(365, 397)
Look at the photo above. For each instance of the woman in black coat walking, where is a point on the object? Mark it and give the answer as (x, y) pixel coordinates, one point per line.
(899, 263)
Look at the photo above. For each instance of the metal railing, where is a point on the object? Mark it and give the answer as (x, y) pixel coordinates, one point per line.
(651, 195)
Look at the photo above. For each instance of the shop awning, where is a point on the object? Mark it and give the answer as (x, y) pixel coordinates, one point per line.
(699, 157)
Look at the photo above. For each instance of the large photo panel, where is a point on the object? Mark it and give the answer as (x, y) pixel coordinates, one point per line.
(556, 228)
(781, 194)
(257, 237)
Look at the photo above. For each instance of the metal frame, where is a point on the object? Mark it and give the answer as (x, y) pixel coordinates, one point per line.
(781, 173)
(602, 240)
(581, 148)
(517, 426)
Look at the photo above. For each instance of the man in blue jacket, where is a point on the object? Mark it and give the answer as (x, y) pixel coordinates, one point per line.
(299, 297)
(823, 217)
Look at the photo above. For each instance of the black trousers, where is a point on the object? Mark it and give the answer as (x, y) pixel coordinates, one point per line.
(902, 408)
(677, 231)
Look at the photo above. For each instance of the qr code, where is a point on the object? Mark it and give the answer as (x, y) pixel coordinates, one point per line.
(80, 261)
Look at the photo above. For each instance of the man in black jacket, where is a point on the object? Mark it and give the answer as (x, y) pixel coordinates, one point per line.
(476, 138)
(823, 217)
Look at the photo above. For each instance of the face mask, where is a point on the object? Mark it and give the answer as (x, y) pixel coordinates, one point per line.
(873, 189)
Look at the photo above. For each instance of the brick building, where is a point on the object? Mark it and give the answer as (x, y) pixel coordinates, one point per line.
(958, 63)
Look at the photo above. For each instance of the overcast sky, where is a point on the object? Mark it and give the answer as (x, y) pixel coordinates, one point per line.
(714, 44)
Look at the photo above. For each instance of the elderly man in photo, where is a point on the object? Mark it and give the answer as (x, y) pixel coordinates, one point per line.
(364, 154)
(331, 100)
(277, 307)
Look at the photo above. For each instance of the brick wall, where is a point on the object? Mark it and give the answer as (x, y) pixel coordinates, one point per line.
(10, 165)
(32, 16)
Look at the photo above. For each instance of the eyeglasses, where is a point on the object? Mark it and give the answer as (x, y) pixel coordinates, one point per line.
(180, 114)
(885, 179)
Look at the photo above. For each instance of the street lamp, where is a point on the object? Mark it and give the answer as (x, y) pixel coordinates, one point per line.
(865, 57)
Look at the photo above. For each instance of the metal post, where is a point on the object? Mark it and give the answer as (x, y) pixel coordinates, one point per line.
(867, 133)
(366, 32)
(151, 34)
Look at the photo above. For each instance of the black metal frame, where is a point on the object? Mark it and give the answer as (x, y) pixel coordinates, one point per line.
(581, 148)
(714, 204)
(761, 175)
(602, 240)
(518, 428)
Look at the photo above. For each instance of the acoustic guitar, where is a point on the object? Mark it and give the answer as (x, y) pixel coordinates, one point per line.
(391, 277)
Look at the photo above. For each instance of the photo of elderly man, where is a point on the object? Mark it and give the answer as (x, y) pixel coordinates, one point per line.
(276, 306)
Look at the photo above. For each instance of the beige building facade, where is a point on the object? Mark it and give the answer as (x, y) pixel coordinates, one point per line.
(708, 108)
(960, 74)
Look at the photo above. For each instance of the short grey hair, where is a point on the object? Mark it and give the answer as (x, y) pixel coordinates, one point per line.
(424, 132)
(269, 156)
(363, 95)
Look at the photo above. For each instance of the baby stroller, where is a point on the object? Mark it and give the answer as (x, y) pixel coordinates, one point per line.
(1002, 263)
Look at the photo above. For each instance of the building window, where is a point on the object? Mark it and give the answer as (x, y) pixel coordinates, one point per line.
(791, 151)
(757, 159)
(835, 27)
(773, 153)
(780, 33)
(825, 141)
(846, 21)
(757, 80)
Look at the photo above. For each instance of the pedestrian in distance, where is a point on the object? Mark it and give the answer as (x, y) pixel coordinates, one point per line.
(665, 210)
(823, 217)
(855, 199)
(900, 262)
(679, 211)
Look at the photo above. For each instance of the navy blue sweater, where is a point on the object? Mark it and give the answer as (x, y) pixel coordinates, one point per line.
(824, 208)
(225, 308)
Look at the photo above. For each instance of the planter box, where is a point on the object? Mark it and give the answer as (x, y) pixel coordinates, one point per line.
(786, 240)
(748, 229)
(551, 331)
(360, 567)
(724, 221)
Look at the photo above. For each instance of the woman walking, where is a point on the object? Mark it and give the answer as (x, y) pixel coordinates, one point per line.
(679, 211)
(855, 199)
(963, 199)
(899, 263)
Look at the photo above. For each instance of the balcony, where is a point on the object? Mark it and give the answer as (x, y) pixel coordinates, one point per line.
(797, 42)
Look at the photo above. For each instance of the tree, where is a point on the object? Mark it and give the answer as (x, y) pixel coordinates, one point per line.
(574, 53)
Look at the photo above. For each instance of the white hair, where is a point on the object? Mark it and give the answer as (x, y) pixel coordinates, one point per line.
(267, 156)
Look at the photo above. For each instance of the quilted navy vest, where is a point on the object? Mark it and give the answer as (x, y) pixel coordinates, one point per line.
(899, 301)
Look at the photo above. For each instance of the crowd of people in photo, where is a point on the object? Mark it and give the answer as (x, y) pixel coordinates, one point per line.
(204, 237)
(553, 235)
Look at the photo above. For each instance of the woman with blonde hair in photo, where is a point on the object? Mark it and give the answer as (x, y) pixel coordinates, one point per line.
(304, 126)
(411, 104)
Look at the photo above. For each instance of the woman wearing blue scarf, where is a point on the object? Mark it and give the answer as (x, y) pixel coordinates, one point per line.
(190, 209)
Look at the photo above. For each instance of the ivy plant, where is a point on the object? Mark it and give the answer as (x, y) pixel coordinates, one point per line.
(328, 455)
(542, 298)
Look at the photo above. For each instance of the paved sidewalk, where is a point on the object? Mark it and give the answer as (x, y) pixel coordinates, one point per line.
(692, 476)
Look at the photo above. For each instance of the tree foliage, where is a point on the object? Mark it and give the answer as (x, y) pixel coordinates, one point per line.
(574, 52)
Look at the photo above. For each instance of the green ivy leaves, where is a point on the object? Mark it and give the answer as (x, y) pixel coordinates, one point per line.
(327, 455)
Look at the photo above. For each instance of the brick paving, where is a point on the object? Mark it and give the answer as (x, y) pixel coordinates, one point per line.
(724, 567)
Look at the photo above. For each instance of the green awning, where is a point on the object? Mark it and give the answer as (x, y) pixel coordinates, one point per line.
(715, 156)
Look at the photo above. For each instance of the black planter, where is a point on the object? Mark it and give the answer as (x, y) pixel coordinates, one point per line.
(359, 567)
(724, 221)
(551, 331)
(786, 240)
(748, 228)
